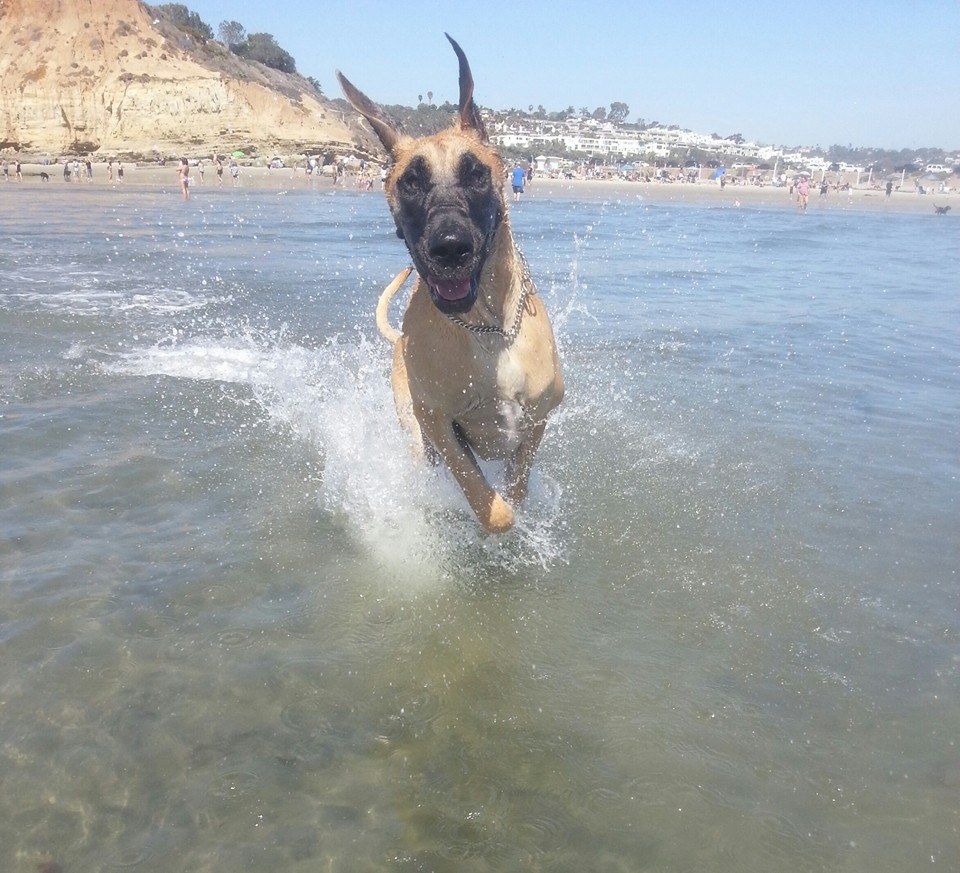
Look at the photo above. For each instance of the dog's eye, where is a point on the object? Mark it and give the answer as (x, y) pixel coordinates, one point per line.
(411, 182)
(477, 175)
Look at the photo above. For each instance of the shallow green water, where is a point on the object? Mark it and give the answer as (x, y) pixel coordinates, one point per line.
(241, 630)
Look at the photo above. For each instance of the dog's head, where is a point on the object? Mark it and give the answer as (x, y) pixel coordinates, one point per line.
(445, 192)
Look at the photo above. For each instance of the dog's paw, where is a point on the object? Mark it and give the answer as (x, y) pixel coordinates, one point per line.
(500, 516)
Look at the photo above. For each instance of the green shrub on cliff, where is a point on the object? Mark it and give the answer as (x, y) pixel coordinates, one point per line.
(263, 47)
(186, 20)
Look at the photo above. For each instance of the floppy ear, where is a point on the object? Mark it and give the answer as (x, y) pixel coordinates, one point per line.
(381, 125)
(469, 114)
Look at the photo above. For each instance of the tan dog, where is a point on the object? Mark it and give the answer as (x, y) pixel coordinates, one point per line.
(475, 370)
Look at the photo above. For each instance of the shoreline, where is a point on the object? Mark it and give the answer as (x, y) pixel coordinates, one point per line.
(737, 196)
(692, 193)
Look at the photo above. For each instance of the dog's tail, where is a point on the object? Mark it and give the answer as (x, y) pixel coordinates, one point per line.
(390, 333)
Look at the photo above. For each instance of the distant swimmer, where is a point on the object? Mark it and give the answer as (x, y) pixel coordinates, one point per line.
(518, 177)
(803, 193)
(183, 173)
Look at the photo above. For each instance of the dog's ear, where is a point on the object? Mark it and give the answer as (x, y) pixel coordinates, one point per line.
(469, 114)
(382, 126)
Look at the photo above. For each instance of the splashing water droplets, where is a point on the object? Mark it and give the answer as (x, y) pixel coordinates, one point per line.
(410, 517)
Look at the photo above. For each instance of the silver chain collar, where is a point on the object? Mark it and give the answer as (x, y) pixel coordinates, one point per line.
(526, 289)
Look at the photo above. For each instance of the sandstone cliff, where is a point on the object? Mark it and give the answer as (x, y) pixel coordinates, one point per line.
(112, 77)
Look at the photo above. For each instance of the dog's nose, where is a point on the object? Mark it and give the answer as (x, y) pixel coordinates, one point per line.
(451, 248)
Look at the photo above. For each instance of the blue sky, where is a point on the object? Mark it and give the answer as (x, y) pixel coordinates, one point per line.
(812, 72)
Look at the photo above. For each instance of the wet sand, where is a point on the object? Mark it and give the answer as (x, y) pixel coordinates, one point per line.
(702, 193)
(711, 194)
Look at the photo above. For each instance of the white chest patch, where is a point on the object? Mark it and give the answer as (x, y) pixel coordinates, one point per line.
(511, 393)
(511, 380)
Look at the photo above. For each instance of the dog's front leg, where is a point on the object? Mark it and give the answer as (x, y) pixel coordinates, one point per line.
(518, 468)
(490, 508)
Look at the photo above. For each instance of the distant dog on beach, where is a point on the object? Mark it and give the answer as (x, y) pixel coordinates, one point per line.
(44, 176)
(941, 210)
(475, 369)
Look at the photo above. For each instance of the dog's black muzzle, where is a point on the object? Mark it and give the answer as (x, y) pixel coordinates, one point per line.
(449, 232)
(452, 252)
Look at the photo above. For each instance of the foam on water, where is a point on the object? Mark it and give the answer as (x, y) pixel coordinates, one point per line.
(411, 519)
(85, 296)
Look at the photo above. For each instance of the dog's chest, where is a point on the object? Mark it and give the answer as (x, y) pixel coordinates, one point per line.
(511, 377)
(512, 398)
(503, 406)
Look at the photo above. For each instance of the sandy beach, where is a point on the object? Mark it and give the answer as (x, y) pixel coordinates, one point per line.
(702, 193)
(709, 193)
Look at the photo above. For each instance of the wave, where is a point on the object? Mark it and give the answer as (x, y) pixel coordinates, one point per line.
(95, 301)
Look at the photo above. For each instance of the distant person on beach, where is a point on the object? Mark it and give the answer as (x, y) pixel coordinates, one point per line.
(889, 189)
(110, 169)
(200, 169)
(19, 172)
(119, 172)
(803, 193)
(6, 172)
(183, 173)
(219, 164)
(66, 170)
(518, 177)
(234, 171)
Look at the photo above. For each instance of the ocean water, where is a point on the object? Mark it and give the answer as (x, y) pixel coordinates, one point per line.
(241, 629)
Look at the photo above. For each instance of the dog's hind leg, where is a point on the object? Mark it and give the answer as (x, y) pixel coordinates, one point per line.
(518, 467)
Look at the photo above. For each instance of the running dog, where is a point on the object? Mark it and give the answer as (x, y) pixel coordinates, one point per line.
(475, 368)
(44, 176)
(941, 210)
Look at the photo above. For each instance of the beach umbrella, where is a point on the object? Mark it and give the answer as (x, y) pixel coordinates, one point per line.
(238, 154)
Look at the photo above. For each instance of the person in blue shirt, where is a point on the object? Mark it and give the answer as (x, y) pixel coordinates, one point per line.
(518, 177)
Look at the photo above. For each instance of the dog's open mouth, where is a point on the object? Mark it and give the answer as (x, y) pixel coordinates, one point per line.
(453, 295)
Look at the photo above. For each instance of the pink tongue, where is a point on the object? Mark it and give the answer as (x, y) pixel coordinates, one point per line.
(453, 289)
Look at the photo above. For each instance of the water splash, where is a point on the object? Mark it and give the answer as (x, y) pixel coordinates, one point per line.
(410, 518)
